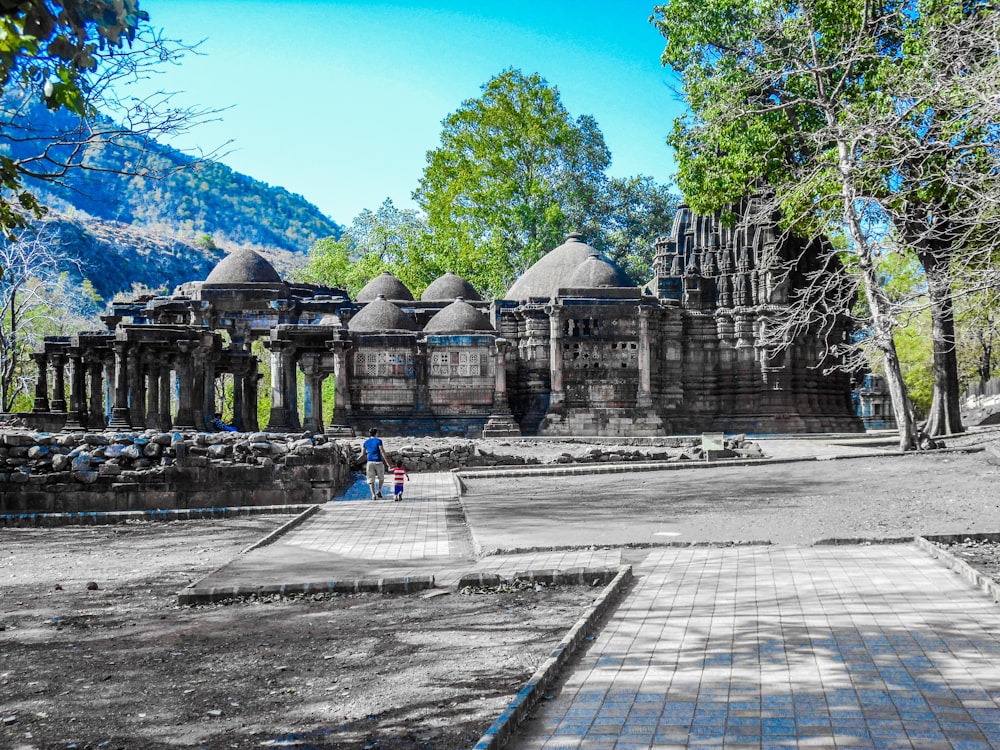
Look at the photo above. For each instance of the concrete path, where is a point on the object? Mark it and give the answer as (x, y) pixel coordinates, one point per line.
(355, 538)
(757, 647)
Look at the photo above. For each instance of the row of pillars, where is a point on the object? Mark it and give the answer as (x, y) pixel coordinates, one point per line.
(129, 387)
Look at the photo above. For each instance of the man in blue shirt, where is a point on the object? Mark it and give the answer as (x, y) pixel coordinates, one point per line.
(376, 463)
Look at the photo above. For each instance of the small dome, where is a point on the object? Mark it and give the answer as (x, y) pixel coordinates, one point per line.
(243, 267)
(458, 317)
(380, 316)
(447, 287)
(597, 272)
(551, 271)
(385, 285)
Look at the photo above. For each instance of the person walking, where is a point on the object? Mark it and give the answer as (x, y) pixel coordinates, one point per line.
(398, 475)
(376, 463)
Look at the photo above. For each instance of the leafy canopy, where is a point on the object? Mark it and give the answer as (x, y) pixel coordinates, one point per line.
(513, 174)
(55, 48)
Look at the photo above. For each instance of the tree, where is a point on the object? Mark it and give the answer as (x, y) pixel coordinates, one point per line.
(513, 174)
(816, 104)
(76, 56)
(631, 213)
(388, 239)
(36, 299)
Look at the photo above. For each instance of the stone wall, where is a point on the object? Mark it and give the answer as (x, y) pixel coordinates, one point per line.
(109, 471)
(430, 454)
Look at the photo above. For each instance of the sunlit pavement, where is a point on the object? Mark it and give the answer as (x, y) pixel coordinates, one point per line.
(759, 647)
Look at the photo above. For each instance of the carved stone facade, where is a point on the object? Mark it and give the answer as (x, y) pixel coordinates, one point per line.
(574, 348)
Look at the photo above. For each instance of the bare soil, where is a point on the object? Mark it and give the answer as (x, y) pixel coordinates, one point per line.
(121, 665)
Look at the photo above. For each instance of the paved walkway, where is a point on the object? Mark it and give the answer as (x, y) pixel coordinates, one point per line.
(425, 534)
(819, 647)
(734, 647)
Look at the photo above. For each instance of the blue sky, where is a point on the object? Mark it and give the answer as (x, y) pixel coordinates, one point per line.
(340, 101)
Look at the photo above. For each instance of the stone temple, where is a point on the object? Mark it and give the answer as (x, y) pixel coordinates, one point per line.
(574, 348)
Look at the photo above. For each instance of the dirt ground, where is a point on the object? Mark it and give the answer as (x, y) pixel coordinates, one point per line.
(122, 666)
(95, 652)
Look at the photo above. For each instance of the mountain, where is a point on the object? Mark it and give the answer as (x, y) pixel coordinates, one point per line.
(115, 257)
(156, 230)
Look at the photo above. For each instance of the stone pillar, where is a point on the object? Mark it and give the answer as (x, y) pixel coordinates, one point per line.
(58, 402)
(41, 382)
(136, 388)
(164, 411)
(422, 397)
(239, 380)
(76, 420)
(205, 383)
(282, 418)
(153, 391)
(341, 392)
(185, 386)
(501, 422)
(95, 416)
(120, 414)
(109, 390)
(314, 393)
(644, 397)
(252, 391)
(558, 396)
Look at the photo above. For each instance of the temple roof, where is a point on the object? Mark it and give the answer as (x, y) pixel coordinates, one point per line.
(458, 317)
(448, 287)
(551, 271)
(243, 266)
(596, 272)
(385, 285)
(381, 316)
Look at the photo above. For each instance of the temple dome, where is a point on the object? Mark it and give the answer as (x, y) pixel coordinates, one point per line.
(380, 316)
(551, 271)
(448, 287)
(597, 272)
(385, 285)
(243, 267)
(458, 317)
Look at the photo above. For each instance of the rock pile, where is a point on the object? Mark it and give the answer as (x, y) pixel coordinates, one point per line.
(445, 454)
(83, 457)
(101, 471)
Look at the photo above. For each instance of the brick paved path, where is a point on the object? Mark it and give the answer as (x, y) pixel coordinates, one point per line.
(757, 647)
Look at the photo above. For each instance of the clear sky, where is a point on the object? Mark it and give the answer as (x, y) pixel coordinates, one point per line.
(340, 101)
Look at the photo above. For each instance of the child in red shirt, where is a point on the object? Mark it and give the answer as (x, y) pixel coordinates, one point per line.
(398, 474)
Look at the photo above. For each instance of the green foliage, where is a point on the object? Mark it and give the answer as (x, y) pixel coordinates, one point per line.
(916, 356)
(37, 299)
(513, 174)
(632, 212)
(53, 48)
(389, 239)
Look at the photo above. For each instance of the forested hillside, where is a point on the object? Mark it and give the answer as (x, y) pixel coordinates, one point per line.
(191, 198)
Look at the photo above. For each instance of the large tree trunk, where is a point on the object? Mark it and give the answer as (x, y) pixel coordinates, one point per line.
(945, 417)
(879, 305)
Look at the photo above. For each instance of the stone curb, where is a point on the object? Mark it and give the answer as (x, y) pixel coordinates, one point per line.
(283, 529)
(495, 472)
(623, 467)
(973, 576)
(517, 710)
(569, 577)
(404, 585)
(99, 518)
